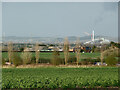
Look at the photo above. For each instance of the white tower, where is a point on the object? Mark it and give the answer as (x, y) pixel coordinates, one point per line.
(93, 36)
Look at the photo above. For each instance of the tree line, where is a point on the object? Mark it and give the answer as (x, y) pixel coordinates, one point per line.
(106, 54)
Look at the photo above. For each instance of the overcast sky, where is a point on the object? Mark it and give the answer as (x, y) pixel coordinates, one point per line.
(59, 19)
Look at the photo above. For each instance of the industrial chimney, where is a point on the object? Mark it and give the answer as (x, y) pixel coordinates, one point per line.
(93, 36)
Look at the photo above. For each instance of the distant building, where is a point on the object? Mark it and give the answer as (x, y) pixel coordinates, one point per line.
(51, 47)
(33, 49)
(29, 49)
(71, 49)
(84, 49)
(97, 41)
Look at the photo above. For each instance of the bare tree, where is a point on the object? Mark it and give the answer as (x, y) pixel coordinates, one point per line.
(102, 53)
(37, 52)
(77, 50)
(10, 51)
(102, 56)
(66, 50)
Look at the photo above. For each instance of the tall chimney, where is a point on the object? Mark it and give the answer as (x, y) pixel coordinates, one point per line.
(93, 36)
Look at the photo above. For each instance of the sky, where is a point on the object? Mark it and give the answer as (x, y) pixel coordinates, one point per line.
(59, 19)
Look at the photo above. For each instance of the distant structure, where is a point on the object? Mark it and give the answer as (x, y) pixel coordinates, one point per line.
(92, 36)
(98, 40)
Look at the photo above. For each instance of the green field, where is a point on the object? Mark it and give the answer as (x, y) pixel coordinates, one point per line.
(49, 55)
(54, 77)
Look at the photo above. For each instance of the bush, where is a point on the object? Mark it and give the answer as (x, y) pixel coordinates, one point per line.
(17, 59)
(3, 61)
(93, 60)
(98, 59)
(72, 59)
(97, 50)
(84, 62)
(111, 60)
(21, 49)
(44, 60)
(6, 59)
(33, 60)
(87, 61)
(56, 60)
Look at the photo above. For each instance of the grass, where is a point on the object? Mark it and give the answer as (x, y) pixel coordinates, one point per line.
(48, 55)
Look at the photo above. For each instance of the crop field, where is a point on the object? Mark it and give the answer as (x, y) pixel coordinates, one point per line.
(56, 77)
(49, 55)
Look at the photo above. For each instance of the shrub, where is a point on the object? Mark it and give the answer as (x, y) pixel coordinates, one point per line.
(3, 61)
(93, 48)
(97, 50)
(33, 59)
(98, 59)
(84, 62)
(72, 59)
(44, 60)
(87, 61)
(6, 59)
(111, 60)
(21, 49)
(17, 59)
(56, 60)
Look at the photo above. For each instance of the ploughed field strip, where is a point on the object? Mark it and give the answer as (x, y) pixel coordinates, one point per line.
(55, 77)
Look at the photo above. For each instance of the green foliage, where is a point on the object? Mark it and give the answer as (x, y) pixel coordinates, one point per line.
(84, 62)
(56, 60)
(17, 59)
(6, 59)
(72, 59)
(44, 60)
(93, 48)
(21, 48)
(41, 60)
(115, 44)
(3, 61)
(111, 60)
(48, 55)
(33, 60)
(45, 57)
(97, 49)
(59, 77)
(87, 61)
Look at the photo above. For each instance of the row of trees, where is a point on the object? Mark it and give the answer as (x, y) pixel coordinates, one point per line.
(66, 50)
(26, 56)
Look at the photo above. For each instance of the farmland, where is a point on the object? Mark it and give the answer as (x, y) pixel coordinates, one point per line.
(48, 55)
(56, 77)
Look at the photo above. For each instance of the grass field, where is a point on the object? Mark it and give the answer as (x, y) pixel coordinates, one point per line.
(49, 55)
(54, 77)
